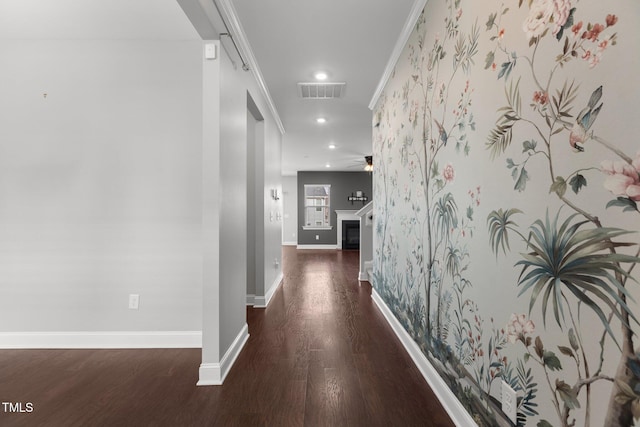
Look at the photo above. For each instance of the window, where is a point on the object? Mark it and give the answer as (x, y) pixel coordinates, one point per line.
(317, 206)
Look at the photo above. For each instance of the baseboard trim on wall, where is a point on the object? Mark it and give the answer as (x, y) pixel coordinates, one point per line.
(334, 247)
(263, 302)
(215, 373)
(289, 243)
(251, 299)
(101, 340)
(449, 401)
(363, 276)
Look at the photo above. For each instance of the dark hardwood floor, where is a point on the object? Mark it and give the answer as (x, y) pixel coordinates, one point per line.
(321, 354)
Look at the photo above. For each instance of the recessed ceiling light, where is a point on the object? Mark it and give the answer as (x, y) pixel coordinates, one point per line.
(320, 75)
(327, 165)
(332, 146)
(321, 120)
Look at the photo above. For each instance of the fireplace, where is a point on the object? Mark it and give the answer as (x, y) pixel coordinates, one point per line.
(350, 234)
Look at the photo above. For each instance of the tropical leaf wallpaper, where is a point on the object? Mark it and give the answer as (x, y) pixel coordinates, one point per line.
(507, 216)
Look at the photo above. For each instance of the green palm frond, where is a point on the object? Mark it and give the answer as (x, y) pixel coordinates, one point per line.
(453, 259)
(501, 135)
(446, 213)
(500, 223)
(568, 259)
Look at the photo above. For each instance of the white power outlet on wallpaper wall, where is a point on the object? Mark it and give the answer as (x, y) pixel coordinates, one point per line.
(509, 402)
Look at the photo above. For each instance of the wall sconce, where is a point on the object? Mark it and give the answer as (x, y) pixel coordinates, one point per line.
(274, 194)
(369, 166)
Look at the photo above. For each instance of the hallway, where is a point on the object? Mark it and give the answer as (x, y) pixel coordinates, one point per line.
(321, 354)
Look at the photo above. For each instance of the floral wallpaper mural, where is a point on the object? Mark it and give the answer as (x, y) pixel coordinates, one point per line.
(507, 186)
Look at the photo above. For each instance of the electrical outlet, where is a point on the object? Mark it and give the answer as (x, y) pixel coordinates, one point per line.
(134, 301)
(509, 402)
(276, 263)
(317, 237)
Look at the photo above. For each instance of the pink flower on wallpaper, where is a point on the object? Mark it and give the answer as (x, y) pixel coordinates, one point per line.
(593, 33)
(603, 44)
(576, 28)
(623, 179)
(561, 12)
(541, 98)
(448, 173)
(611, 167)
(518, 328)
(633, 191)
(539, 15)
(611, 20)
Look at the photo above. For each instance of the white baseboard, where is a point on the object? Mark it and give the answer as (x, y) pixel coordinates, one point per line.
(364, 275)
(263, 302)
(449, 401)
(101, 340)
(251, 299)
(289, 243)
(317, 247)
(215, 373)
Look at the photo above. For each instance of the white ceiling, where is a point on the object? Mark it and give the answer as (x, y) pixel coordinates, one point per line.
(352, 40)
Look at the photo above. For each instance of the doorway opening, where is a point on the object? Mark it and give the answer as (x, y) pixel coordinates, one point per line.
(255, 202)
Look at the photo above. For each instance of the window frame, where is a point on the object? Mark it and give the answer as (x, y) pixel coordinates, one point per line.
(324, 207)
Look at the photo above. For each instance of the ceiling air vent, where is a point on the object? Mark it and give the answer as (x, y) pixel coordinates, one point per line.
(321, 90)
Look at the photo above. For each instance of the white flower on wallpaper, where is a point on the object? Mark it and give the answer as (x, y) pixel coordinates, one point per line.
(623, 178)
(540, 14)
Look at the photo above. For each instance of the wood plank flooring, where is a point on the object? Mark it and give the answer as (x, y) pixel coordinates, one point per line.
(321, 354)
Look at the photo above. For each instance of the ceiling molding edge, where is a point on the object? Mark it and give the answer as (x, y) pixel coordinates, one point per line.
(409, 25)
(231, 16)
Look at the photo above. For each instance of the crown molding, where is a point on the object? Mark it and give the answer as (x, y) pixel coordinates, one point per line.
(409, 25)
(238, 34)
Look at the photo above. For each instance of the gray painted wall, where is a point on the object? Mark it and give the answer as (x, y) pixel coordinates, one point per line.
(271, 154)
(233, 202)
(211, 222)
(342, 185)
(290, 202)
(100, 185)
(251, 203)
(267, 211)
